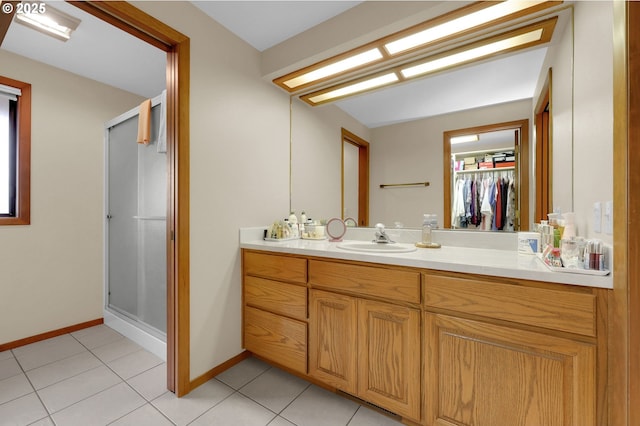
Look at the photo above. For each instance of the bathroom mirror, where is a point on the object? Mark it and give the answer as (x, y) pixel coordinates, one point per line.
(410, 150)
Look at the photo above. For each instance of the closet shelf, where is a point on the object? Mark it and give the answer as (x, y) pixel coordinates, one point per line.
(495, 169)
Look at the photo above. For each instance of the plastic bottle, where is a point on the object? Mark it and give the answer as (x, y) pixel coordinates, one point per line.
(427, 225)
(293, 223)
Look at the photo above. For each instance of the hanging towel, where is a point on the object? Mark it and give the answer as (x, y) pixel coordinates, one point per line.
(162, 130)
(144, 122)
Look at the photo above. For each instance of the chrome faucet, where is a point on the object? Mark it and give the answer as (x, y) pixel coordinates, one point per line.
(381, 235)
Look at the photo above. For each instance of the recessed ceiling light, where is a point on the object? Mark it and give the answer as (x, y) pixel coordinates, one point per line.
(50, 21)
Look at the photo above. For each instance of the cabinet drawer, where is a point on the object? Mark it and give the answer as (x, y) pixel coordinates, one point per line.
(276, 338)
(277, 267)
(380, 282)
(277, 297)
(553, 309)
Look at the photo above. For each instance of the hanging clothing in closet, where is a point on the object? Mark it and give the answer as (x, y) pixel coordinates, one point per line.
(484, 201)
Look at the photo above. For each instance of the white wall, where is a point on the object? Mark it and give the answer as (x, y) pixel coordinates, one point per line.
(593, 114)
(52, 274)
(413, 152)
(317, 158)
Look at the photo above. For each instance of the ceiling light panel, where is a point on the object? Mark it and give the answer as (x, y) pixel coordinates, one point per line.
(459, 25)
(521, 38)
(49, 21)
(335, 68)
(412, 41)
(473, 54)
(332, 94)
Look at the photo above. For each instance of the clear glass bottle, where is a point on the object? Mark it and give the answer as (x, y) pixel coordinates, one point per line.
(427, 225)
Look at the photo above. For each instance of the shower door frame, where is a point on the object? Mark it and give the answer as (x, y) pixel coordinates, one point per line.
(177, 46)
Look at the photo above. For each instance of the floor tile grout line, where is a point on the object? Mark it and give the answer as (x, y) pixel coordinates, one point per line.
(34, 392)
(284, 408)
(67, 378)
(81, 400)
(235, 391)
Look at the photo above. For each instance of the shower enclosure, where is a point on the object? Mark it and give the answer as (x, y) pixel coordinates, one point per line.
(136, 247)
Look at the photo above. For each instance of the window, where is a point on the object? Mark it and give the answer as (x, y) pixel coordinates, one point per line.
(15, 152)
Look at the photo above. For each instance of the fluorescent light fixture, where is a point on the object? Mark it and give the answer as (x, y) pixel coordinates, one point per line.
(459, 25)
(472, 54)
(464, 138)
(49, 21)
(335, 68)
(371, 83)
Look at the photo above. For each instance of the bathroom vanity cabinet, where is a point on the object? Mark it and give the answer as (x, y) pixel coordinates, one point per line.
(434, 347)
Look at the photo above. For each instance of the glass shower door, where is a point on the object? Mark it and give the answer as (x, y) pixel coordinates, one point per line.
(136, 227)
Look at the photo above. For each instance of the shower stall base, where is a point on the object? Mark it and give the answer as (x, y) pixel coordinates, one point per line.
(150, 339)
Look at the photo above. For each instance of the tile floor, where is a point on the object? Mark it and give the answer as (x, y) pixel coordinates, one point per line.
(98, 377)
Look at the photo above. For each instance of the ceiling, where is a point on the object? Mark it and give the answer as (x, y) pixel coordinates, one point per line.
(103, 53)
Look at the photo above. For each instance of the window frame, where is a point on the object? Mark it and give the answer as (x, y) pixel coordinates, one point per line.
(23, 154)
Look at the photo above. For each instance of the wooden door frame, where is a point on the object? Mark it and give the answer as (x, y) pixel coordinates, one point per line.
(147, 28)
(544, 152)
(363, 175)
(624, 303)
(522, 166)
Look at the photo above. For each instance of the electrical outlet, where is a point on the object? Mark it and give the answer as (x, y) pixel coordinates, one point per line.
(608, 218)
(597, 217)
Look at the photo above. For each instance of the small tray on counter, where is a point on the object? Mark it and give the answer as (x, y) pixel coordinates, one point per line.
(279, 240)
(573, 270)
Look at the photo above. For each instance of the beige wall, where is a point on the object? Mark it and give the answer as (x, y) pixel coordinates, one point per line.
(52, 274)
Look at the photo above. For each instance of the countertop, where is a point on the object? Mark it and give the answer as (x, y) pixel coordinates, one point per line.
(482, 261)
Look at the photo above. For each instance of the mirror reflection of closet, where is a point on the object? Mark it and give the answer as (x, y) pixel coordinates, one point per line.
(486, 177)
(355, 178)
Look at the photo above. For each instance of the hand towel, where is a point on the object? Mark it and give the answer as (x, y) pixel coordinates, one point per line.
(144, 122)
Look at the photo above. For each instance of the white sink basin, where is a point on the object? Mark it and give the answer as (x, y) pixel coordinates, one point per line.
(369, 247)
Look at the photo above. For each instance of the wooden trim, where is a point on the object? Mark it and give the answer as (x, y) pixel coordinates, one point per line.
(134, 21)
(219, 369)
(23, 166)
(522, 169)
(633, 207)
(363, 175)
(50, 334)
(5, 20)
(544, 142)
(620, 362)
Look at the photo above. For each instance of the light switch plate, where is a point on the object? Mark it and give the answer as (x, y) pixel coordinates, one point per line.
(597, 217)
(608, 218)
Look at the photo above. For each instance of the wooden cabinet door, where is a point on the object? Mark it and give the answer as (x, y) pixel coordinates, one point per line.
(486, 375)
(332, 339)
(389, 357)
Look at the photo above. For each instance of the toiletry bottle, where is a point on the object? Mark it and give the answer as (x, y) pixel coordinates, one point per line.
(293, 222)
(303, 222)
(426, 229)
